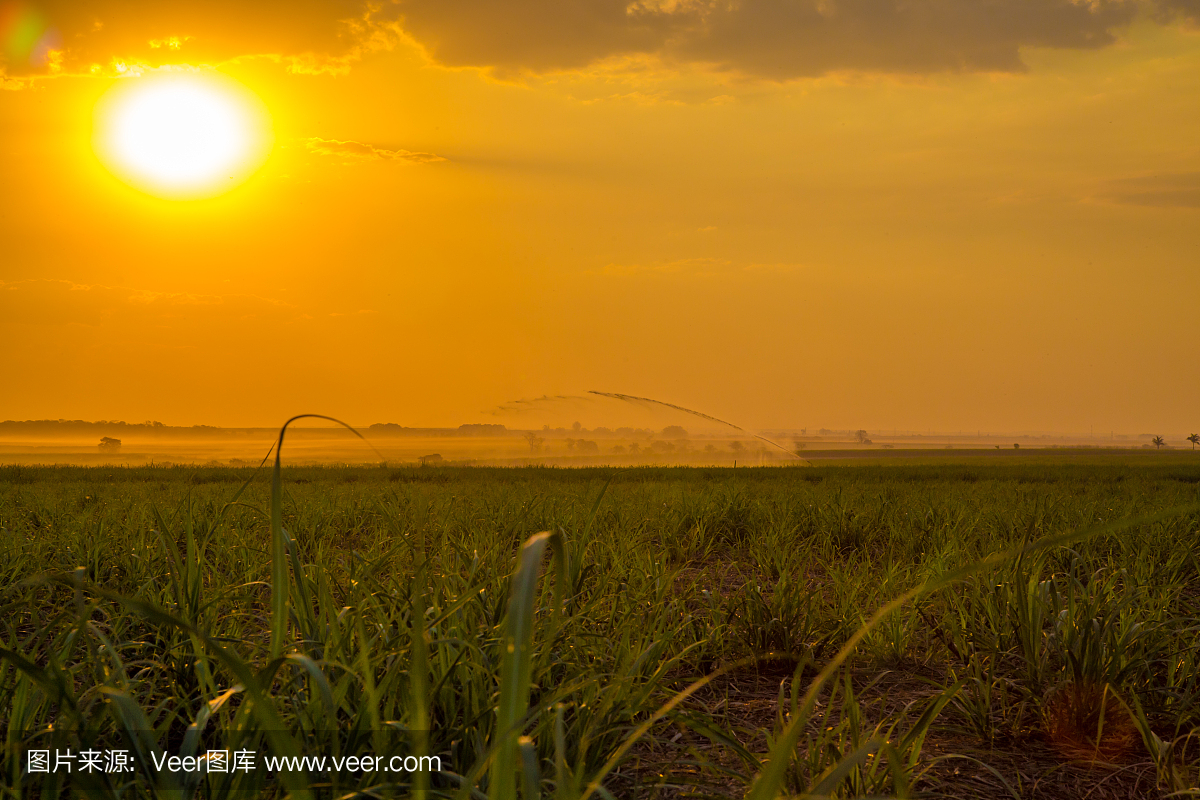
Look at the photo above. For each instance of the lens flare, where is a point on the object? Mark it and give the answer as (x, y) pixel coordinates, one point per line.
(26, 37)
(182, 135)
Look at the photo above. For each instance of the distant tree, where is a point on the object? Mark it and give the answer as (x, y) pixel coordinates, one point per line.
(535, 441)
(1017, 446)
(618, 448)
(737, 447)
(577, 427)
(710, 448)
(571, 444)
(861, 437)
(659, 446)
(108, 443)
(1158, 442)
(797, 446)
(633, 448)
(482, 429)
(674, 432)
(586, 446)
(1194, 439)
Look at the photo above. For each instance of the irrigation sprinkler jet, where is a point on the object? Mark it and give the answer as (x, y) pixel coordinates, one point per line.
(631, 399)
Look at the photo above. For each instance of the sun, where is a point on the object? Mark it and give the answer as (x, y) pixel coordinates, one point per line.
(181, 135)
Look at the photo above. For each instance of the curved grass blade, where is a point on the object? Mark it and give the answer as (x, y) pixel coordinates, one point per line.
(279, 542)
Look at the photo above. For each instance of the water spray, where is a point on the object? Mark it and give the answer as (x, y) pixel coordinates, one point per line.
(631, 399)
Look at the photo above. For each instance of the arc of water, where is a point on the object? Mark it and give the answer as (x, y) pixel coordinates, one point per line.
(632, 399)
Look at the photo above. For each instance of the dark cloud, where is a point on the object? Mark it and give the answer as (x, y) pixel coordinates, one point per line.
(539, 35)
(365, 152)
(1188, 10)
(1179, 190)
(777, 39)
(782, 39)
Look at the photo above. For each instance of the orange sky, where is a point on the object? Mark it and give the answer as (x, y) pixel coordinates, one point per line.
(821, 213)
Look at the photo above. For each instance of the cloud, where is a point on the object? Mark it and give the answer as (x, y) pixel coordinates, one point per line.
(698, 267)
(538, 35)
(47, 36)
(689, 266)
(780, 39)
(1187, 10)
(64, 302)
(365, 152)
(772, 39)
(1178, 190)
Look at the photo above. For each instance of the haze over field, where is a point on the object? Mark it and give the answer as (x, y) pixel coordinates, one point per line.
(64, 442)
(882, 215)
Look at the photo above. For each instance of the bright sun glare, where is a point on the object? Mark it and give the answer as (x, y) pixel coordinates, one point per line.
(182, 135)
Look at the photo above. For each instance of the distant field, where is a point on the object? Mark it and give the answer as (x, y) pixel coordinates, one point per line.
(337, 446)
(157, 610)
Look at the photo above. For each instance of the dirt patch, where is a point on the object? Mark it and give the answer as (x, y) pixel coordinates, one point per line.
(682, 763)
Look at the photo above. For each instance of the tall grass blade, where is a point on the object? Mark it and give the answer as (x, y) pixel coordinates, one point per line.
(516, 657)
(418, 674)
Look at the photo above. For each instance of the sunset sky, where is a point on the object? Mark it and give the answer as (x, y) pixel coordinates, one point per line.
(914, 214)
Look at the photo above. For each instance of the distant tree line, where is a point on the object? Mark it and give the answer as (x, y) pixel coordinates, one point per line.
(80, 427)
(472, 429)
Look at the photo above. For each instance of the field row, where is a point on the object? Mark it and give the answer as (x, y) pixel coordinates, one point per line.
(674, 631)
